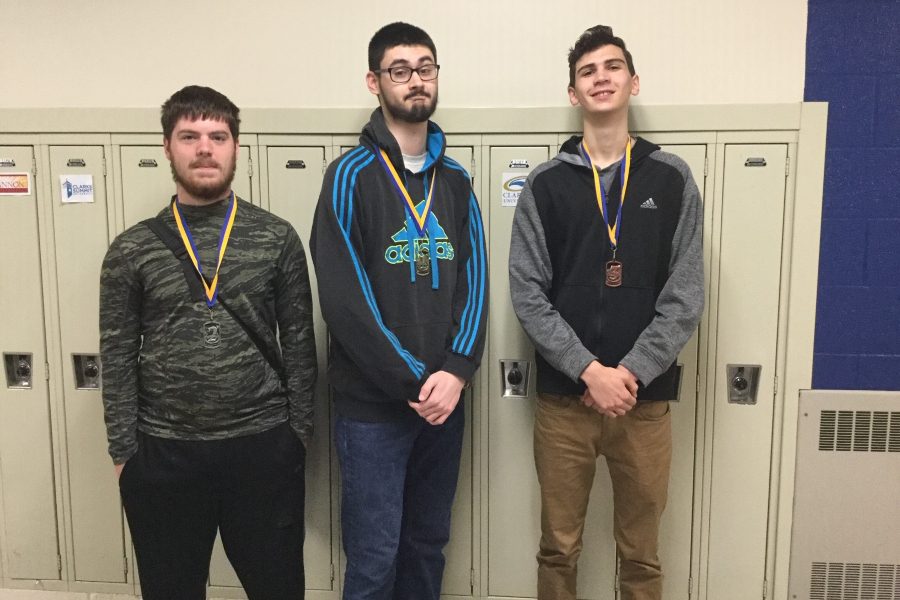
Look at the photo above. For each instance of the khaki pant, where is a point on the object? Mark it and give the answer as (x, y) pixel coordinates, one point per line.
(568, 438)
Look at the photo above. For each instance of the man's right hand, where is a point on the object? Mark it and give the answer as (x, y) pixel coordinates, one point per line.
(612, 392)
(118, 469)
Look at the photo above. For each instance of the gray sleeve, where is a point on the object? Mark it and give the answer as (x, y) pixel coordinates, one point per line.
(530, 276)
(120, 343)
(680, 304)
(293, 307)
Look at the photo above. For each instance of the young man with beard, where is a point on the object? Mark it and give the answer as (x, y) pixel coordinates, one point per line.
(606, 277)
(207, 419)
(398, 247)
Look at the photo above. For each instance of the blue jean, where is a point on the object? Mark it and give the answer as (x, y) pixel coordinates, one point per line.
(398, 482)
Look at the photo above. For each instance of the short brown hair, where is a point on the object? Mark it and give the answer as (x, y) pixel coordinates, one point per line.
(199, 102)
(593, 38)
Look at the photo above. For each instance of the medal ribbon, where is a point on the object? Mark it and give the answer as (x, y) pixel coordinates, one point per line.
(418, 219)
(613, 231)
(211, 289)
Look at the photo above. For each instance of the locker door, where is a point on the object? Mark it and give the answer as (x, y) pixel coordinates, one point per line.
(458, 571)
(294, 180)
(28, 531)
(80, 236)
(677, 521)
(147, 184)
(513, 494)
(747, 282)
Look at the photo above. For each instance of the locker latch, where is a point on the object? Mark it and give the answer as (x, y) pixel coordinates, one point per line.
(87, 371)
(743, 381)
(18, 370)
(514, 374)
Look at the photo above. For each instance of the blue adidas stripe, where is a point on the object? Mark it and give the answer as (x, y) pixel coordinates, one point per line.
(475, 270)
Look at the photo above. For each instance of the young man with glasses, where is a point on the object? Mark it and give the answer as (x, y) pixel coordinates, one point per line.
(606, 277)
(398, 248)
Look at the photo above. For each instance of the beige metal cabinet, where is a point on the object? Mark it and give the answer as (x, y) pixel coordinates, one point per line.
(747, 250)
(292, 179)
(513, 498)
(80, 241)
(28, 530)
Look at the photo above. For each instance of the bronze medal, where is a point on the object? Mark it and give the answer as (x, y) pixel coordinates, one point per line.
(212, 335)
(423, 261)
(613, 273)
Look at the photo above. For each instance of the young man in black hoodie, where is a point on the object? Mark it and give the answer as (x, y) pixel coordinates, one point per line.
(606, 277)
(398, 248)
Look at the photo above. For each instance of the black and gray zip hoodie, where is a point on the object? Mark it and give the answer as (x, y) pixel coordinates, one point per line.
(557, 259)
(393, 322)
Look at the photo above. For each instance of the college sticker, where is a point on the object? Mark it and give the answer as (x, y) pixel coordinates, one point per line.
(75, 189)
(15, 184)
(512, 187)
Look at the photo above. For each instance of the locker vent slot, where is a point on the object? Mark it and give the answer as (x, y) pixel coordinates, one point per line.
(854, 581)
(859, 431)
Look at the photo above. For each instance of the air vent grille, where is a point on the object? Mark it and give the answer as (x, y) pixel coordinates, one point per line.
(859, 431)
(854, 581)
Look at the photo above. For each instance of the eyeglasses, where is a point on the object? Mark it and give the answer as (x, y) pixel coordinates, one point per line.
(427, 72)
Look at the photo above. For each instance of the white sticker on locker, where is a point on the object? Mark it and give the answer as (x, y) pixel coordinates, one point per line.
(76, 188)
(512, 187)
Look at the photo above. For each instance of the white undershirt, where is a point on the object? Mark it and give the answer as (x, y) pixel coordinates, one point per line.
(414, 163)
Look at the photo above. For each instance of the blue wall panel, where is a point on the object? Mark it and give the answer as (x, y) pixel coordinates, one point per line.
(853, 63)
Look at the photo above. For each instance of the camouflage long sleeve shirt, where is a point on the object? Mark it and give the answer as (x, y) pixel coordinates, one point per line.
(162, 376)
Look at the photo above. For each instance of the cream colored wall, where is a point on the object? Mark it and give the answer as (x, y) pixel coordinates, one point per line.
(302, 53)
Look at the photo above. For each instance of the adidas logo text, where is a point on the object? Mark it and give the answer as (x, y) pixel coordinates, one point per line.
(648, 203)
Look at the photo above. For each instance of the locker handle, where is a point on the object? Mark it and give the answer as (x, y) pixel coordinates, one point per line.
(755, 161)
(7, 162)
(76, 162)
(18, 369)
(295, 164)
(147, 163)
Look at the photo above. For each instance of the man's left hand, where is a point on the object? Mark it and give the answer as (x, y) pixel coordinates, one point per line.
(438, 397)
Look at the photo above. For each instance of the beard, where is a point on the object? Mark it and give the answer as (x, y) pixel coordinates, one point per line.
(417, 113)
(205, 189)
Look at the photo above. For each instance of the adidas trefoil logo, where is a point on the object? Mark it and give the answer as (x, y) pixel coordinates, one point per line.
(649, 203)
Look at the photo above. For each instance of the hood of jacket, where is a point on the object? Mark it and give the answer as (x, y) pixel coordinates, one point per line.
(570, 152)
(376, 135)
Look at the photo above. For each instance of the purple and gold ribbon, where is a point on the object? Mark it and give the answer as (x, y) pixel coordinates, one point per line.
(211, 289)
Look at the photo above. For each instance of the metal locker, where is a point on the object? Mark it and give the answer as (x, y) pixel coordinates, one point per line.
(294, 179)
(458, 570)
(29, 538)
(677, 525)
(747, 284)
(80, 240)
(147, 184)
(513, 496)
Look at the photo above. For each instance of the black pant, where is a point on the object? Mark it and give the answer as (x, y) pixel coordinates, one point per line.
(177, 493)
